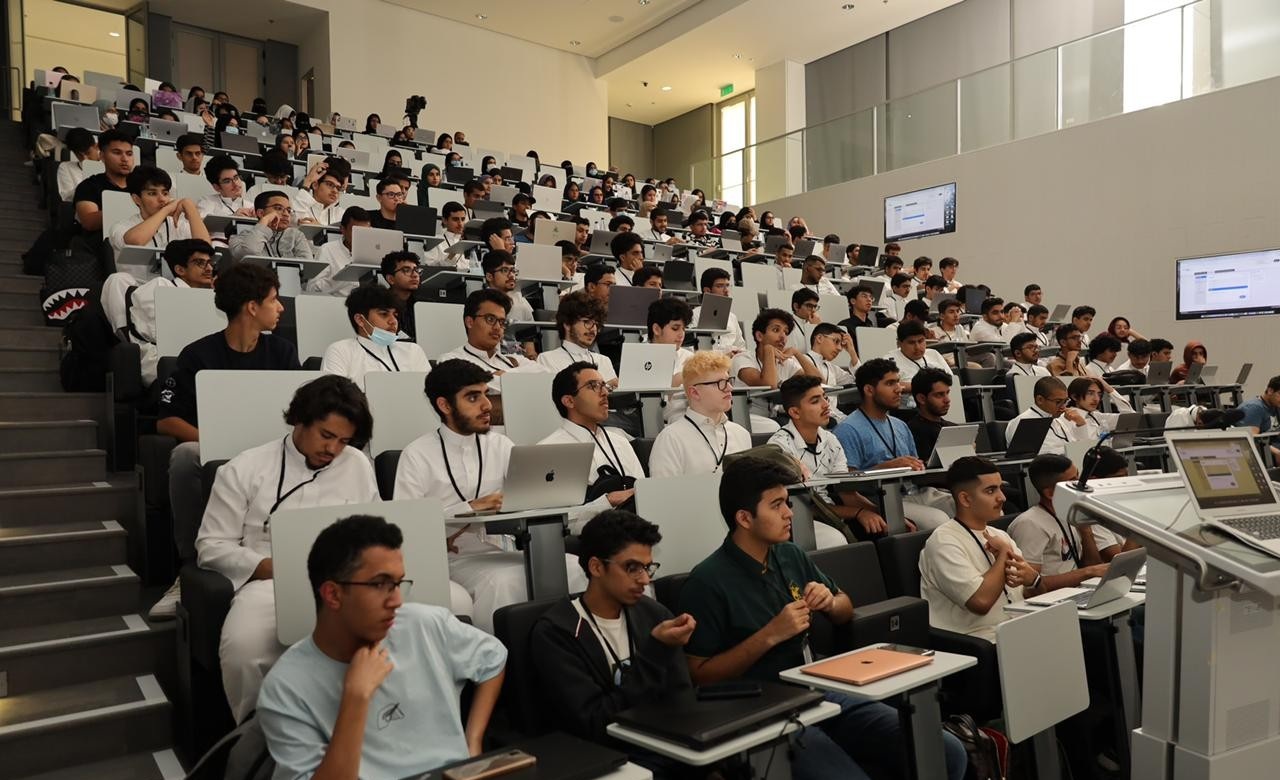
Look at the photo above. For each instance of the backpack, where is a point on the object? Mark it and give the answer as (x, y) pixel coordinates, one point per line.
(87, 339)
(240, 755)
(988, 749)
(69, 279)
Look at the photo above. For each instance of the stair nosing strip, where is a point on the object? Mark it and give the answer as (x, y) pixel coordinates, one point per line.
(168, 764)
(62, 536)
(131, 628)
(56, 585)
(18, 729)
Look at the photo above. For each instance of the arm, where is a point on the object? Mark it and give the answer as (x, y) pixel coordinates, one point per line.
(178, 428)
(252, 241)
(992, 587)
(368, 668)
(482, 704)
(806, 365)
(737, 660)
(89, 215)
(1068, 579)
(145, 231)
(219, 543)
(195, 220)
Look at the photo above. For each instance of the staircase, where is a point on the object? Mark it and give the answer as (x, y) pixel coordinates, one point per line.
(83, 674)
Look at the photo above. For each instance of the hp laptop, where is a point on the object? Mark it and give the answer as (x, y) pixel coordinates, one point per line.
(646, 366)
(1028, 437)
(1229, 484)
(715, 311)
(369, 245)
(1059, 312)
(416, 220)
(701, 723)
(1118, 581)
(544, 476)
(955, 442)
(630, 305)
(1158, 373)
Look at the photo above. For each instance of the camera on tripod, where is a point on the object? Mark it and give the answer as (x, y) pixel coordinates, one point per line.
(413, 105)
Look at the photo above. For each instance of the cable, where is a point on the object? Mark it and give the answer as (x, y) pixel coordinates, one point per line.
(793, 718)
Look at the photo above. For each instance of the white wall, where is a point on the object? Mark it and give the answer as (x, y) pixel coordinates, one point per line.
(505, 93)
(74, 37)
(1098, 213)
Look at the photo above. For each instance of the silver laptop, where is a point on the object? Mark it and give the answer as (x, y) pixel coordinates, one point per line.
(261, 132)
(646, 366)
(1119, 580)
(544, 476)
(1059, 312)
(553, 231)
(347, 123)
(601, 242)
(369, 245)
(715, 312)
(357, 158)
(1159, 373)
(501, 193)
(658, 253)
(630, 305)
(1229, 485)
(1208, 374)
(1123, 434)
(954, 442)
(1193, 373)
(1243, 376)
(538, 261)
(165, 130)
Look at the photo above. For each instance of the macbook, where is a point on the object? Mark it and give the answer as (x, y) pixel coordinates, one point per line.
(553, 232)
(1193, 373)
(678, 275)
(347, 123)
(1119, 580)
(1123, 434)
(357, 158)
(238, 143)
(868, 254)
(165, 130)
(658, 252)
(538, 261)
(877, 288)
(81, 93)
(646, 366)
(630, 305)
(1028, 437)
(416, 220)
(701, 723)
(1229, 485)
(867, 666)
(600, 242)
(458, 174)
(1243, 376)
(1158, 373)
(715, 312)
(954, 442)
(545, 476)
(369, 245)
(1059, 312)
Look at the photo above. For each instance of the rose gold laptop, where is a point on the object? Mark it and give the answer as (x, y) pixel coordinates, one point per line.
(867, 666)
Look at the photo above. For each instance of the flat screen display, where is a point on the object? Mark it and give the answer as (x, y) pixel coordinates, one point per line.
(927, 212)
(1229, 285)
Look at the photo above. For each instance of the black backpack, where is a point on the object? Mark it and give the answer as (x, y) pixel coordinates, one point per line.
(87, 339)
(986, 759)
(71, 279)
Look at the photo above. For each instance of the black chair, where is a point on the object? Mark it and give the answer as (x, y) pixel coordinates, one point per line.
(1004, 521)
(760, 439)
(384, 470)
(855, 570)
(667, 590)
(975, 691)
(994, 431)
(642, 448)
(521, 699)
(312, 363)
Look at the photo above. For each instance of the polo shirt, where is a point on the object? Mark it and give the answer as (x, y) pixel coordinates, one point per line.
(731, 596)
(1256, 414)
(868, 443)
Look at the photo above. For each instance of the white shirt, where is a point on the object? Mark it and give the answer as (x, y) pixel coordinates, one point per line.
(786, 369)
(985, 331)
(622, 277)
(1128, 366)
(521, 309)
(676, 400)
(338, 256)
(610, 632)
(732, 339)
(235, 534)
(515, 364)
(1030, 369)
(142, 319)
(693, 444)
(355, 357)
(218, 205)
(1094, 424)
(826, 458)
(1061, 432)
(425, 466)
(557, 360)
(952, 565)
(961, 333)
(836, 376)
(908, 368)
(823, 287)
(1096, 368)
(654, 235)
(611, 449)
(437, 256)
(1040, 537)
(70, 174)
(801, 331)
(895, 305)
(305, 206)
(168, 231)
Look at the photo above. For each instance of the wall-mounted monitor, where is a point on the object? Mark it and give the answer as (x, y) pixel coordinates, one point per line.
(1239, 284)
(927, 212)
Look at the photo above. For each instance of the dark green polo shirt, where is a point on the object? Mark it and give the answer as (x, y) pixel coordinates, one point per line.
(732, 597)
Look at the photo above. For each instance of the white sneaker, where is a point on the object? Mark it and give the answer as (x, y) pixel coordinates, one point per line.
(167, 607)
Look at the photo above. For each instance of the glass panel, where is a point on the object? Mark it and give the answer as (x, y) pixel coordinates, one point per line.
(1035, 94)
(733, 127)
(1197, 54)
(1248, 32)
(731, 177)
(1092, 78)
(137, 40)
(781, 167)
(840, 150)
(985, 111)
(1153, 61)
(922, 126)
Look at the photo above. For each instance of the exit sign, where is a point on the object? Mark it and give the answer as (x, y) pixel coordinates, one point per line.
(726, 90)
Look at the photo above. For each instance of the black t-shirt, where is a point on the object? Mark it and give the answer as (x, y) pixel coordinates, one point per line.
(925, 432)
(404, 318)
(178, 398)
(91, 190)
(377, 220)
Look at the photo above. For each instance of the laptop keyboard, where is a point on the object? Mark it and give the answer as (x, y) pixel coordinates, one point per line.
(1259, 526)
(1082, 599)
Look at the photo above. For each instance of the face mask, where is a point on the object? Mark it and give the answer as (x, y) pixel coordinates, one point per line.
(381, 336)
(232, 129)
(110, 119)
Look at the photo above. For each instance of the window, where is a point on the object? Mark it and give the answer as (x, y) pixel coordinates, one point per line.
(737, 132)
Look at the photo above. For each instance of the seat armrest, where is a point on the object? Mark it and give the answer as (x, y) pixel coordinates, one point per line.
(976, 690)
(125, 365)
(153, 456)
(902, 620)
(206, 596)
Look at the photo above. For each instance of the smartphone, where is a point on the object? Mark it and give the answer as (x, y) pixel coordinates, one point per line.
(908, 649)
(729, 690)
(492, 766)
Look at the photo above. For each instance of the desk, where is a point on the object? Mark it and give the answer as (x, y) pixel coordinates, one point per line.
(556, 752)
(762, 736)
(915, 695)
(963, 348)
(294, 272)
(539, 534)
(894, 514)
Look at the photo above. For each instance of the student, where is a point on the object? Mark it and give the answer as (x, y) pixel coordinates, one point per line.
(916, 310)
(898, 295)
(472, 191)
(628, 252)
(463, 464)
(648, 276)
(969, 571)
(752, 601)
(272, 236)
(1032, 295)
(1102, 352)
(1037, 319)
(893, 249)
(949, 327)
(667, 320)
(1082, 318)
(931, 391)
(496, 234)
(948, 267)
(485, 315)
(1067, 361)
(658, 218)
(990, 327)
(377, 345)
(190, 152)
(874, 438)
(934, 287)
(453, 220)
(921, 270)
(357, 696)
(579, 320)
(598, 280)
(1064, 555)
(500, 274)
(697, 441)
(116, 151)
(190, 261)
(1138, 357)
(159, 220)
(1260, 411)
(1025, 348)
(569, 264)
(390, 196)
(314, 467)
(70, 173)
(770, 364)
(813, 276)
(1161, 351)
(317, 201)
(1119, 328)
(699, 233)
(913, 355)
(227, 198)
(717, 281)
(805, 437)
(400, 271)
(804, 311)
(277, 174)
(1193, 352)
(612, 647)
(1050, 400)
(826, 343)
(338, 256)
(519, 213)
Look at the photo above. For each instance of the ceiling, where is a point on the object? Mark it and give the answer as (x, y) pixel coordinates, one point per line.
(276, 20)
(596, 26)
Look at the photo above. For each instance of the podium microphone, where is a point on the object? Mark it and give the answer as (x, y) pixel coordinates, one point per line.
(1209, 418)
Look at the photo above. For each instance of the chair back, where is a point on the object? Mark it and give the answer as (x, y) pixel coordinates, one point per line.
(513, 626)
(900, 561)
(667, 590)
(384, 470)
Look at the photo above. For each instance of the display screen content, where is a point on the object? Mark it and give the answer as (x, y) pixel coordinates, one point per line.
(1235, 285)
(1222, 472)
(920, 213)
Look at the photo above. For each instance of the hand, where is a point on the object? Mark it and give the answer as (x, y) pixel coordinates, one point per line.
(997, 544)
(188, 207)
(263, 571)
(1019, 572)
(315, 173)
(904, 461)
(871, 522)
(818, 596)
(788, 352)
(209, 121)
(676, 631)
(496, 242)
(1074, 416)
(1096, 570)
(792, 621)
(368, 668)
(247, 211)
(308, 221)
(269, 220)
(491, 501)
(613, 384)
(451, 541)
(618, 497)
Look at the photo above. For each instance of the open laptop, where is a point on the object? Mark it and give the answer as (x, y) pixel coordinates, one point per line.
(1228, 483)
(357, 158)
(1059, 312)
(512, 174)
(937, 301)
(554, 231)
(601, 241)
(699, 724)
(1123, 434)
(369, 245)
(1243, 376)
(416, 220)
(81, 93)
(715, 312)
(165, 130)
(458, 174)
(646, 367)
(538, 261)
(973, 298)
(679, 275)
(630, 305)
(1208, 374)
(347, 123)
(868, 254)
(954, 442)
(1193, 373)
(1118, 581)
(1158, 373)
(238, 143)
(501, 193)
(544, 476)
(658, 252)
(877, 288)
(1028, 437)
(867, 666)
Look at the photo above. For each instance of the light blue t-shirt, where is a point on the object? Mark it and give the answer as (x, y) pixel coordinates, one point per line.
(1256, 414)
(414, 722)
(869, 443)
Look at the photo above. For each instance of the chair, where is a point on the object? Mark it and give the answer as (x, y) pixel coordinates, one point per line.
(667, 590)
(994, 431)
(642, 448)
(384, 470)
(760, 439)
(855, 570)
(513, 626)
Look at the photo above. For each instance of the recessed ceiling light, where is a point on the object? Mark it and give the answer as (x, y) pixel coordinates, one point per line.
(644, 2)
(575, 43)
(615, 19)
(666, 88)
(114, 34)
(737, 56)
(847, 7)
(481, 17)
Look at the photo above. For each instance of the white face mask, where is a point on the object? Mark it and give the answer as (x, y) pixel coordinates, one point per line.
(110, 118)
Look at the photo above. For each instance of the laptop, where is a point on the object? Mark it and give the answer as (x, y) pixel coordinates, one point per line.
(1158, 373)
(1208, 374)
(715, 311)
(679, 275)
(458, 174)
(1059, 312)
(238, 143)
(485, 209)
(867, 666)
(554, 231)
(357, 158)
(1228, 483)
(162, 99)
(630, 305)
(416, 220)
(659, 253)
(81, 93)
(601, 241)
(369, 244)
(512, 174)
(937, 301)
(771, 243)
(646, 366)
(347, 123)
(805, 247)
(954, 442)
(1028, 437)
(558, 755)
(1118, 581)
(1243, 376)
(501, 193)
(544, 476)
(868, 254)
(263, 133)
(165, 130)
(68, 115)
(699, 724)
(1193, 373)
(973, 298)
(385, 130)
(1123, 434)
(538, 261)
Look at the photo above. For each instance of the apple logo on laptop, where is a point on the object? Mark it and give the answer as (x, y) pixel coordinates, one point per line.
(551, 475)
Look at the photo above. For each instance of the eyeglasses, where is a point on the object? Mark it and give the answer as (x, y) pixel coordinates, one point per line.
(634, 568)
(409, 270)
(589, 324)
(201, 264)
(595, 386)
(393, 195)
(330, 183)
(229, 180)
(1057, 401)
(492, 320)
(811, 305)
(720, 384)
(509, 270)
(384, 586)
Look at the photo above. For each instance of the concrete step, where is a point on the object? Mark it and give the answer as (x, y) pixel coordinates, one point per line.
(20, 298)
(30, 357)
(23, 284)
(113, 499)
(9, 242)
(30, 380)
(44, 657)
(81, 724)
(47, 436)
(60, 595)
(23, 316)
(52, 406)
(151, 765)
(70, 544)
(30, 469)
(39, 336)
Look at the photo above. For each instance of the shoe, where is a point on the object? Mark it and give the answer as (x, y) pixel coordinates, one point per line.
(167, 607)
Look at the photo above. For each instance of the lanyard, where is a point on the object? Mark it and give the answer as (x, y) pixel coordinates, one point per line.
(449, 469)
(231, 209)
(280, 497)
(1071, 542)
(718, 458)
(155, 235)
(585, 359)
(805, 448)
(394, 365)
(618, 664)
(986, 556)
(893, 448)
(1027, 370)
(616, 460)
(485, 360)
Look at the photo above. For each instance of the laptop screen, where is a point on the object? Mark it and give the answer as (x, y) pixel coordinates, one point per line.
(1223, 472)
